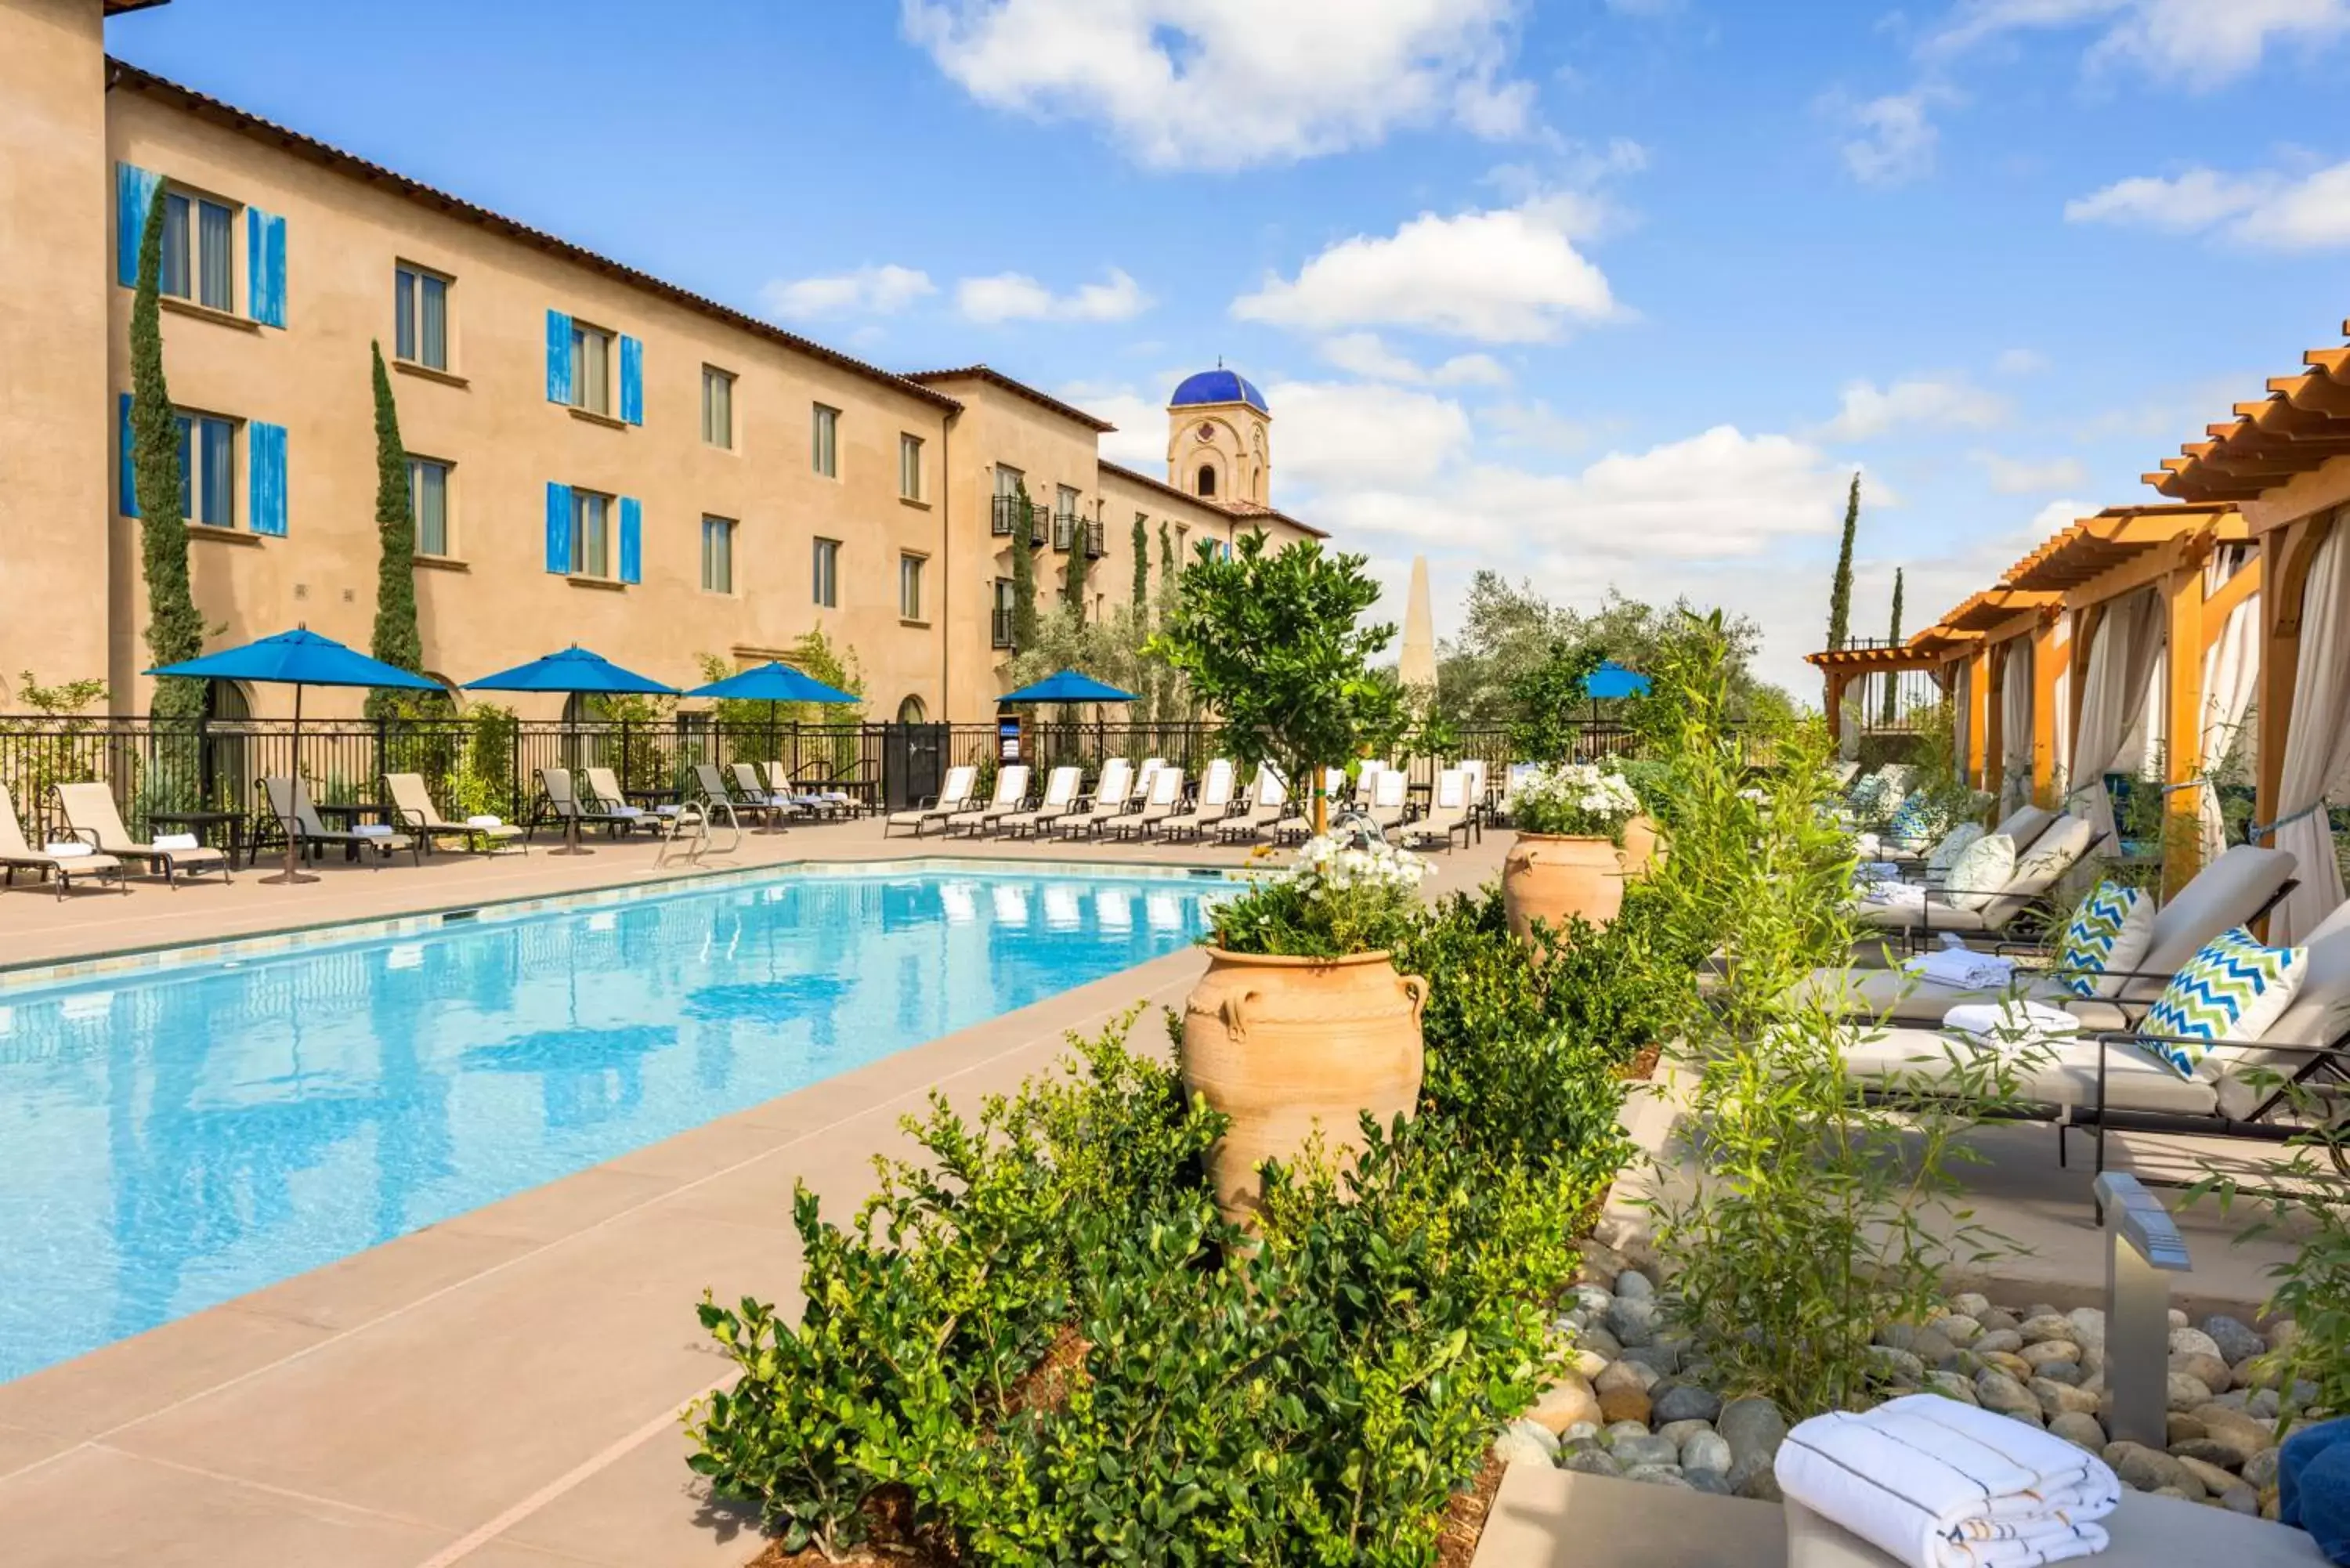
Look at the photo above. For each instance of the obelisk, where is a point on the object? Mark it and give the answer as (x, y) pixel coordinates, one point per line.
(1417, 665)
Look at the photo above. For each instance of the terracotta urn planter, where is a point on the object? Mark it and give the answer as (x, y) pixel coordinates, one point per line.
(1643, 847)
(1548, 878)
(1283, 1045)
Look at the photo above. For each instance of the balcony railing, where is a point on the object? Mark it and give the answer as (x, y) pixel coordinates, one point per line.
(999, 628)
(1006, 517)
(1095, 548)
(1065, 531)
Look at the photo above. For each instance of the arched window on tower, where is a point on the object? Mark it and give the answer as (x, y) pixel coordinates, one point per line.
(1207, 479)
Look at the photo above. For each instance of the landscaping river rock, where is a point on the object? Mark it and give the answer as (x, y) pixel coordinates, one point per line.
(1637, 1403)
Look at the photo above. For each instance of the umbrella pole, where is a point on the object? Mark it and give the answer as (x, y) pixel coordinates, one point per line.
(293, 873)
(571, 845)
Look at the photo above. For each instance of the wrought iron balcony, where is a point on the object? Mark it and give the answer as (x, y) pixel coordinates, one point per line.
(1005, 518)
(1095, 549)
(1065, 531)
(1000, 628)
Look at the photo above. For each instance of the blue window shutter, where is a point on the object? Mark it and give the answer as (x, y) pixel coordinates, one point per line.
(264, 266)
(264, 457)
(558, 528)
(632, 380)
(129, 477)
(632, 543)
(559, 356)
(134, 190)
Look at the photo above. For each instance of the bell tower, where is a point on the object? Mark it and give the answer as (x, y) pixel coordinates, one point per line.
(1220, 439)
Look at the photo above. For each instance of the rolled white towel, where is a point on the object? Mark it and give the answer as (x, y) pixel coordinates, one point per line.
(483, 821)
(1940, 1484)
(2014, 1021)
(175, 841)
(69, 850)
(373, 830)
(1960, 969)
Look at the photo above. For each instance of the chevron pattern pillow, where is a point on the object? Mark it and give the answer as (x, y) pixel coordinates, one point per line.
(1916, 822)
(2229, 992)
(2086, 949)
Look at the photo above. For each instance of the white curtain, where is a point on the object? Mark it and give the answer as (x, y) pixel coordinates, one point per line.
(2317, 743)
(2122, 664)
(2231, 667)
(2016, 727)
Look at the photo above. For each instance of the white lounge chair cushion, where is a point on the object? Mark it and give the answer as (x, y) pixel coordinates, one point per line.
(2064, 1072)
(1902, 999)
(2224, 894)
(372, 830)
(1980, 871)
(2230, 992)
(175, 841)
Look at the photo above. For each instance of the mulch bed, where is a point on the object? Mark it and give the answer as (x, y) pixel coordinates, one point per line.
(1464, 1518)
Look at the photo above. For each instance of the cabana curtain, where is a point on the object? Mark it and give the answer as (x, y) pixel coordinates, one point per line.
(2317, 743)
(2123, 660)
(2231, 669)
(2016, 727)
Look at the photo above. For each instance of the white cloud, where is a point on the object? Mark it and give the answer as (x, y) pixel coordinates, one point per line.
(1140, 440)
(1333, 434)
(2262, 211)
(2020, 362)
(2197, 44)
(2012, 476)
(1016, 296)
(1363, 354)
(1508, 275)
(1225, 84)
(1897, 141)
(1533, 424)
(1869, 411)
(868, 291)
(2049, 520)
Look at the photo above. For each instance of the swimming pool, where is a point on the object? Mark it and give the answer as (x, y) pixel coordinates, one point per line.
(173, 1137)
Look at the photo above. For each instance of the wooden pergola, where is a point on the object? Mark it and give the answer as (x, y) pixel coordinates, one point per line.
(1931, 649)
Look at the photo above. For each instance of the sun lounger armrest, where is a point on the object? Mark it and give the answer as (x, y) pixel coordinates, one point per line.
(408, 816)
(85, 834)
(2143, 1037)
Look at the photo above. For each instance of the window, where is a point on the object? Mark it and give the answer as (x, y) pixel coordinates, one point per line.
(717, 408)
(910, 588)
(1207, 479)
(910, 467)
(428, 501)
(208, 470)
(717, 556)
(826, 576)
(591, 369)
(198, 252)
(591, 534)
(1000, 615)
(828, 442)
(419, 301)
(911, 711)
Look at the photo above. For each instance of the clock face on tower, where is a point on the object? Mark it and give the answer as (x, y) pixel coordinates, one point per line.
(1206, 432)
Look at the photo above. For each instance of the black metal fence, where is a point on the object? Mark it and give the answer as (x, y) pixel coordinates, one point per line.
(489, 761)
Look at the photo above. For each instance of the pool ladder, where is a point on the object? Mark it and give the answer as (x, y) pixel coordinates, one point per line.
(695, 828)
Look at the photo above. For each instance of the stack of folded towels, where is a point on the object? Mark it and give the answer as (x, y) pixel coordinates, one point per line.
(483, 821)
(2013, 1022)
(373, 830)
(1961, 967)
(1939, 1484)
(1900, 895)
(1877, 871)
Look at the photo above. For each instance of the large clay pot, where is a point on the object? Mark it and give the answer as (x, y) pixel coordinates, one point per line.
(1549, 877)
(1643, 847)
(1283, 1045)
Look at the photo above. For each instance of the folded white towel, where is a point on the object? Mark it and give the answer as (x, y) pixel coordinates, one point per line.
(65, 851)
(372, 830)
(483, 821)
(1895, 895)
(2013, 1022)
(1868, 845)
(1959, 969)
(1877, 871)
(175, 841)
(1940, 1484)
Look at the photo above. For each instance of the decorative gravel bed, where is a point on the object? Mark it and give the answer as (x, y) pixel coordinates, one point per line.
(1637, 1404)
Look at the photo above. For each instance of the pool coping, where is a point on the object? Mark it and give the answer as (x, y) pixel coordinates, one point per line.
(160, 957)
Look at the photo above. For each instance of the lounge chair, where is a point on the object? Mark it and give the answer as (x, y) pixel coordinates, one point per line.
(1981, 915)
(954, 795)
(816, 803)
(1266, 803)
(298, 818)
(1299, 825)
(1163, 800)
(16, 855)
(611, 805)
(91, 817)
(2023, 826)
(1214, 805)
(1010, 797)
(1113, 793)
(716, 792)
(1060, 799)
(1448, 815)
(1388, 801)
(413, 811)
(559, 801)
(2233, 890)
(1481, 793)
(2105, 1081)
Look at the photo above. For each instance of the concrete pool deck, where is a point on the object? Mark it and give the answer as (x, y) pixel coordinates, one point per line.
(501, 1390)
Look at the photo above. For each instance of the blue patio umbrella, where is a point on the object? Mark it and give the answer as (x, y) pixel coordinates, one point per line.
(771, 684)
(1612, 680)
(575, 671)
(298, 659)
(1067, 686)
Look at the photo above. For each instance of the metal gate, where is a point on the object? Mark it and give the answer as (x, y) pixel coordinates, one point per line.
(912, 762)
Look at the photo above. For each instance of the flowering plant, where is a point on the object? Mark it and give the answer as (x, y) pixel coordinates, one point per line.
(1339, 897)
(1574, 800)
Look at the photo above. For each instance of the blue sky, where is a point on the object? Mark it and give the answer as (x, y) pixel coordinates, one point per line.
(1593, 292)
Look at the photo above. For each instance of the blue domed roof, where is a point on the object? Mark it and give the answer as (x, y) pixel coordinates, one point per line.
(1218, 386)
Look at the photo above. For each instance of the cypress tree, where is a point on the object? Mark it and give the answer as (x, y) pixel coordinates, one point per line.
(1166, 560)
(175, 630)
(1073, 577)
(1023, 575)
(396, 641)
(1840, 595)
(1897, 642)
(1141, 562)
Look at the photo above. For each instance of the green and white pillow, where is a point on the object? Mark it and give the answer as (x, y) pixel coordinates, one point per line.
(2231, 991)
(1980, 871)
(2109, 931)
(1957, 838)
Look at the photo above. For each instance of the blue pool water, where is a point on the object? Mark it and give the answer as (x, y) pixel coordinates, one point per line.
(172, 1138)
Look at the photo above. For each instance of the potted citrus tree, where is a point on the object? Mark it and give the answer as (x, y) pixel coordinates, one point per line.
(1301, 1021)
(1568, 859)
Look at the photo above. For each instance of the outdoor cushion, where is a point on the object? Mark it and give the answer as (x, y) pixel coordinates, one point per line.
(2231, 990)
(2224, 894)
(2025, 823)
(1937, 914)
(2061, 1072)
(1937, 861)
(2108, 932)
(1900, 998)
(2056, 852)
(1915, 823)
(1980, 871)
